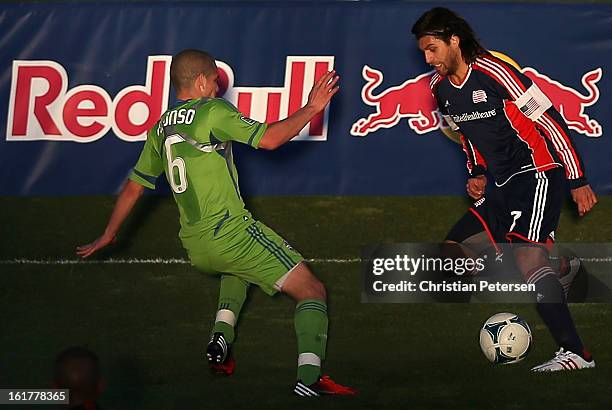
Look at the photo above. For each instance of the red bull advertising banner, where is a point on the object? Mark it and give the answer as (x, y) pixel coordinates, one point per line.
(80, 85)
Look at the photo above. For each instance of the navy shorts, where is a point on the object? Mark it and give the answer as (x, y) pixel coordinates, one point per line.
(526, 209)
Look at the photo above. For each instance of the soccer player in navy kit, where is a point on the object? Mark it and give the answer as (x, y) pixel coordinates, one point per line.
(511, 131)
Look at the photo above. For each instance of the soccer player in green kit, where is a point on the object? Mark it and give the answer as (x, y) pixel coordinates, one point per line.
(192, 144)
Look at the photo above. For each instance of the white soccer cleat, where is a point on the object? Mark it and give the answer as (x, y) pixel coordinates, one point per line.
(564, 360)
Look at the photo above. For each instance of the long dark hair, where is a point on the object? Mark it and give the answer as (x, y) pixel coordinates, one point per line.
(443, 23)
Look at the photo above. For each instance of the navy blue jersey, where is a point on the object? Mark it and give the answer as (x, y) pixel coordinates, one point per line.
(506, 124)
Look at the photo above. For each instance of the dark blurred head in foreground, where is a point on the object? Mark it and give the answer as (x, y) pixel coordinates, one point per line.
(78, 369)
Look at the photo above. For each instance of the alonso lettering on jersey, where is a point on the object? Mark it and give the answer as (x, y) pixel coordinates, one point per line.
(180, 116)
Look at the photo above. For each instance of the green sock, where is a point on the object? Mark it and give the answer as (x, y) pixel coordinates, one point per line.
(232, 294)
(311, 331)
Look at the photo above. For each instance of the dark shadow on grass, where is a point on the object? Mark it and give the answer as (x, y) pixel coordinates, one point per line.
(125, 385)
(141, 212)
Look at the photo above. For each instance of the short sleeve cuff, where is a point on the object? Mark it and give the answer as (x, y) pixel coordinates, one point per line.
(145, 180)
(257, 135)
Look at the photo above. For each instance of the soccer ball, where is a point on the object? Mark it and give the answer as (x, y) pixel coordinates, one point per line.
(505, 338)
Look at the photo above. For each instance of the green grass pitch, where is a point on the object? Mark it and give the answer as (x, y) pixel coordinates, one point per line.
(149, 323)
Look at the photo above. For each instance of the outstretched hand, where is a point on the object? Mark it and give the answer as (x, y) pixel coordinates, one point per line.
(85, 251)
(585, 198)
(323, 90)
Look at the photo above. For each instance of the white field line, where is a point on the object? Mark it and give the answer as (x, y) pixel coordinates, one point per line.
(135, 261)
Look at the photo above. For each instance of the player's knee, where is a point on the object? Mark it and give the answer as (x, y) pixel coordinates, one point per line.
(319, 290)
(301, 284)
(530, 257)
(313, 289)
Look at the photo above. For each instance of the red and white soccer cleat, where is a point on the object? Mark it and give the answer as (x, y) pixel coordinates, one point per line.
(226, 368)
(219, 355)
(323, 386)
(564, 360)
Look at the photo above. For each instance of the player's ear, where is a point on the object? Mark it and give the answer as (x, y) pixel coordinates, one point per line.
(201, 82)
(454, 40)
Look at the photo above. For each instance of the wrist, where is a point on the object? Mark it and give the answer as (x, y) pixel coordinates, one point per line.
(310, 110)
(109, 233)
(577, 183)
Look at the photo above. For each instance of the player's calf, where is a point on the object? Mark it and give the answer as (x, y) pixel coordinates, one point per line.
(311, 323)
(550, 299)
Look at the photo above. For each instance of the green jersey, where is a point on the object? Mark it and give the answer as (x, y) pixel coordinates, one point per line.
(191, 143)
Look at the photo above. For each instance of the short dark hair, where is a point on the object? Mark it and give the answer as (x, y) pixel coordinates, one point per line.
(77, 368)
(443, 23)
(188, 65)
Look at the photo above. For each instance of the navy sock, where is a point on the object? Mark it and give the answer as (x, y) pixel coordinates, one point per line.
(554, 311)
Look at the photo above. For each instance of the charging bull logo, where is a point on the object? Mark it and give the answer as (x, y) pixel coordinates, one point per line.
(413, 100)
(42, 107)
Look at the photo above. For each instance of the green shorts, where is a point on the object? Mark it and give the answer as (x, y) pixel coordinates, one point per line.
(244, 248)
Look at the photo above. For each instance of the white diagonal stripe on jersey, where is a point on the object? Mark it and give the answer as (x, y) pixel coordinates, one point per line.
(513, 90)
(508, 75)
(566, 153)
(559, 144)
(557, 140)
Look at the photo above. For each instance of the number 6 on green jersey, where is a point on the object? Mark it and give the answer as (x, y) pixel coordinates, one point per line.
(179, 186)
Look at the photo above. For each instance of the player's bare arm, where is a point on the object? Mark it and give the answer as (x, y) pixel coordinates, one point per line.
(128, 197)
(280, 132)
(476, 186)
